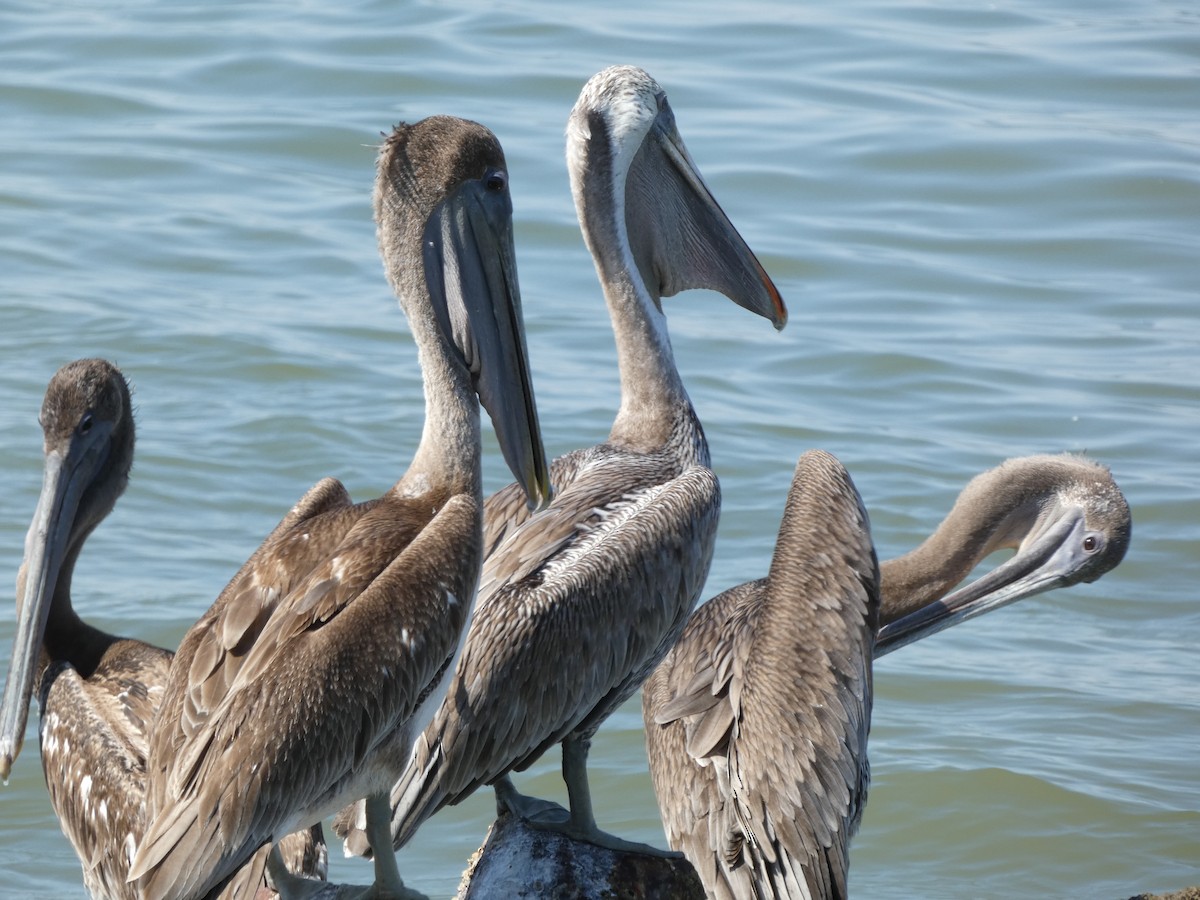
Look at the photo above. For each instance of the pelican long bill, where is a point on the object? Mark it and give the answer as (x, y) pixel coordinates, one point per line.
(693, 245)
(1063, 552)
(471, 270)
(64, 480)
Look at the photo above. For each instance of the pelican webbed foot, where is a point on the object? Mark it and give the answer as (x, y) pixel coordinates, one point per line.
(534, 810)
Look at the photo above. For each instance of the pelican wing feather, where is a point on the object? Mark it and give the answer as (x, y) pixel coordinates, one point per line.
(762, 709)
(508, 509)
(312, 641)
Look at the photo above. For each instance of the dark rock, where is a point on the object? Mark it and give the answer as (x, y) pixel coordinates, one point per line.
(517, 861)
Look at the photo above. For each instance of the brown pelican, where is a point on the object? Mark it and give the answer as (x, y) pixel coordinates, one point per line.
(757, 720)
(579, 602)
(301, 689)
(98, 692)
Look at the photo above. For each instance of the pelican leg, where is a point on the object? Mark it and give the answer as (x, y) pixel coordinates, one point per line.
(574, 771)
(582, 824)
(388, 884)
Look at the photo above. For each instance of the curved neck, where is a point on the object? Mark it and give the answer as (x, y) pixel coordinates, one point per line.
(992, 512)
(67, 636)
(652, 392)
(925, 574)
(651, 389)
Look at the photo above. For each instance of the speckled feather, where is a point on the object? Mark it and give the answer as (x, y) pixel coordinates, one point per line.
(93, 743)
(757, 720)
(507, 510)
(100, 805)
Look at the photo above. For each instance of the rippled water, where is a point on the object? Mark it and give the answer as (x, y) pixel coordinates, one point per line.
(985, 222)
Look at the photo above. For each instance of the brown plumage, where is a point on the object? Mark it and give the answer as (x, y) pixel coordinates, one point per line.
(98, 693)
(301, 688)
(757, 754)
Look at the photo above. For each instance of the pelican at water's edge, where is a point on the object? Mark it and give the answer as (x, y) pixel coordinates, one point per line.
(579, 602)
(98, 693)
(757, 720)
(301, 689)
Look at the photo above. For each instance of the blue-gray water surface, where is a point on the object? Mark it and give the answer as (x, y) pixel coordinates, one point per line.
(985, 220)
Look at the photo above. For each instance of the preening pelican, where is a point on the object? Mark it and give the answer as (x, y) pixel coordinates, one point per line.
(579, 602)
(1064, 515)
(98, 692)
(301, 689)
(757, 720)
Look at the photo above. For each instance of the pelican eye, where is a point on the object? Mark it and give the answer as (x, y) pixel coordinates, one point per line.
(85, 424)
(495, 181)
(1091, 544)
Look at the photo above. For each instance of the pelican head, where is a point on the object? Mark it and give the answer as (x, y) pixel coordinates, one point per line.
(1070, 535)
(636, 187)
(443, 187)
(87, 424)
